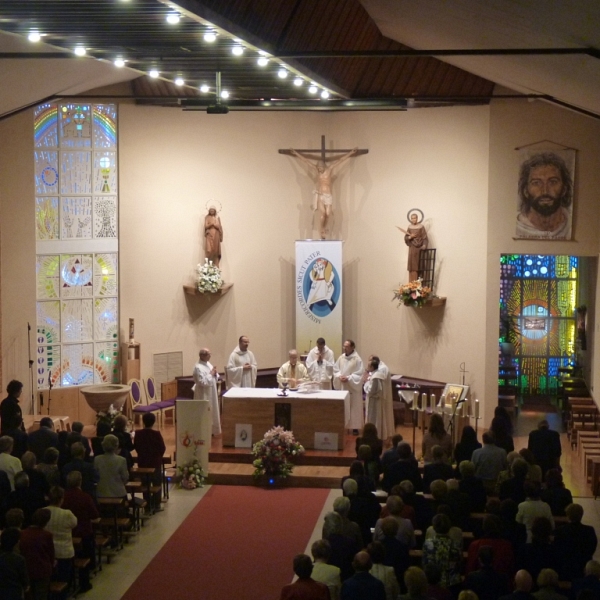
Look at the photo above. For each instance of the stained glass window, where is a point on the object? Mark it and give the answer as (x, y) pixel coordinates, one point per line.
(76, 207)
(538, 297)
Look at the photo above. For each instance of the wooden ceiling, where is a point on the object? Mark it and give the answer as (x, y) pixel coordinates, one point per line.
(333, 43)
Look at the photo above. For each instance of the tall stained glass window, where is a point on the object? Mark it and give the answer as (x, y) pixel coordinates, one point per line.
(538, 297)
(76, 204)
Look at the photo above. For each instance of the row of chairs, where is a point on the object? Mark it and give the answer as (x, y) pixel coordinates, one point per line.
(143, 399)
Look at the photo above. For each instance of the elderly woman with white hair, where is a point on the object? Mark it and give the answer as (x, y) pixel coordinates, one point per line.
(112, 470)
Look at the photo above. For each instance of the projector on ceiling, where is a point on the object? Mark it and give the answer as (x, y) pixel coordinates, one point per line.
(217, 109)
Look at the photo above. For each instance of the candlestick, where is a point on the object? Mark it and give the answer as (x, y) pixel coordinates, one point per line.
(476, 408)
(415, 404)
(433, 406)
(423, 401)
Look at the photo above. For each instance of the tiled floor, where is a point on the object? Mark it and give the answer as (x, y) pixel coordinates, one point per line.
(125, 567)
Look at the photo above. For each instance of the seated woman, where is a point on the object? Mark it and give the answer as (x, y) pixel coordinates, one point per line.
(112, 470)
(556, 494)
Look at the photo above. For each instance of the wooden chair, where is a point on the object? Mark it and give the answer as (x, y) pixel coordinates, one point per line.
(136, 401)
(163, 405)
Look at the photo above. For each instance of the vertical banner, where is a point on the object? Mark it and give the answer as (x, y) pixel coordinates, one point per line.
(318, 294)
(193, 431)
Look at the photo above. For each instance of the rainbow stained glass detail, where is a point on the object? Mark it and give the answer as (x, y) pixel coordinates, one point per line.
(538, 295)
(75, 125)
(105, 125)
(106, 364)
(48, 322)
(76, 320)
(105, 172)
(76, 273)
(46, 271)
(46, 218)
(45, 126)
(105, 217)
(105, 275)
(105, 319)
(76, 217)
(77, 364)
(46, 172)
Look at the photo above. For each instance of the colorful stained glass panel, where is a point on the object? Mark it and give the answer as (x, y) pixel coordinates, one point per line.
(76, 217)
(105, 275)
(47, 364)
(46, 172)
(77, 364)
(105, 126)
(106, 367)
(105, 172)
(75, 125)
(45, 126)
(46, 268)
(46, 218)
(105, 217)
(76, 275)
(48, 322)
(76, 320)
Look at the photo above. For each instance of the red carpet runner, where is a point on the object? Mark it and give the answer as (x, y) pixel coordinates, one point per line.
(237, 544)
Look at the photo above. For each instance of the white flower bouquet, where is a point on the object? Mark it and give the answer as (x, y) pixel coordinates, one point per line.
(209, 280)
(273, 453)
(190, 475)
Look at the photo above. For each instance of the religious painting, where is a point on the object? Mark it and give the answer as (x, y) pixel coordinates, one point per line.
(454, 393)
(545, 193)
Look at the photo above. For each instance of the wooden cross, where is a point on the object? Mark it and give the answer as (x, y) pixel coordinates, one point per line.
(322, 151)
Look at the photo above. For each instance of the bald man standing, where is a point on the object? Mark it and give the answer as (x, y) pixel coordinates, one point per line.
(205, 387)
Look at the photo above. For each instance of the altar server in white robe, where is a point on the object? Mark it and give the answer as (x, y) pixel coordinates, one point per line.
(241, 368)
(319, 362)
(347, 375)
(292, 371)
(205, 387)
(374, 393)
(387, 429)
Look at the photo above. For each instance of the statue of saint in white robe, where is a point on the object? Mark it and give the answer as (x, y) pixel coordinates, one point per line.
(374, 390)
(323, 371)
(205, 388)
(352, 367)
(235, 373)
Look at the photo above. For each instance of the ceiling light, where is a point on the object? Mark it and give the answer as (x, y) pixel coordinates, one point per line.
(179, 81)
(210, 36)
(313, 89)
(262, 61)
(173, 18)
(282, 73)
(154, 73)
(204, 88)
(119, 62)
(80, 51)
(225, 94)
(34, 36)
(324, 94)
(237, 50)
(298, 81)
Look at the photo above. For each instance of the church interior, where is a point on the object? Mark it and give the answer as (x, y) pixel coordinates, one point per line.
(440, 98)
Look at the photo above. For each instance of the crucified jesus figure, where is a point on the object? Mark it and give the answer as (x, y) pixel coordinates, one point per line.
(323, 197)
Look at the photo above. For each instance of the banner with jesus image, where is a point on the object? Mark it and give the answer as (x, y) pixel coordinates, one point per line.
(318, 286)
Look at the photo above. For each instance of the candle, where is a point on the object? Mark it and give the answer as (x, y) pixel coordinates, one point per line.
(415, 404)
(476, 408)
(433, 405)
(423, 401)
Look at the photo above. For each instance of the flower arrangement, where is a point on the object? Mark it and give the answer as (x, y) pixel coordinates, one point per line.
(412, 294)
(190, 475)
(108, 416)
(209, 278)
(272, 454)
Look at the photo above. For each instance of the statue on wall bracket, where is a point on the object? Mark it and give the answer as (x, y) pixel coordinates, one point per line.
(213, 234)
(415, 237)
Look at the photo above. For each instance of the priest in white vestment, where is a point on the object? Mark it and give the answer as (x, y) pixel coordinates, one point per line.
(241, 368)
(348, 376)
(205, 387)
(319, 362)
(292, 372)
(388, 428)
(374, 394)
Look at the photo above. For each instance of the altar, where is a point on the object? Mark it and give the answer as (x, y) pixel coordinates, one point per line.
(320, 412)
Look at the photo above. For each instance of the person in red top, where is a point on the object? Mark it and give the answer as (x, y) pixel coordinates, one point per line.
(82, 506)
(504, 558)
(37, 548)
(150, 448)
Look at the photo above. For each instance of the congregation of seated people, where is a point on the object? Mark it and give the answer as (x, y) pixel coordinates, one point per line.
(51, 486)
(478, 521)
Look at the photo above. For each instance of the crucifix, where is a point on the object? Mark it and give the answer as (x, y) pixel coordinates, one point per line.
(323, 198)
